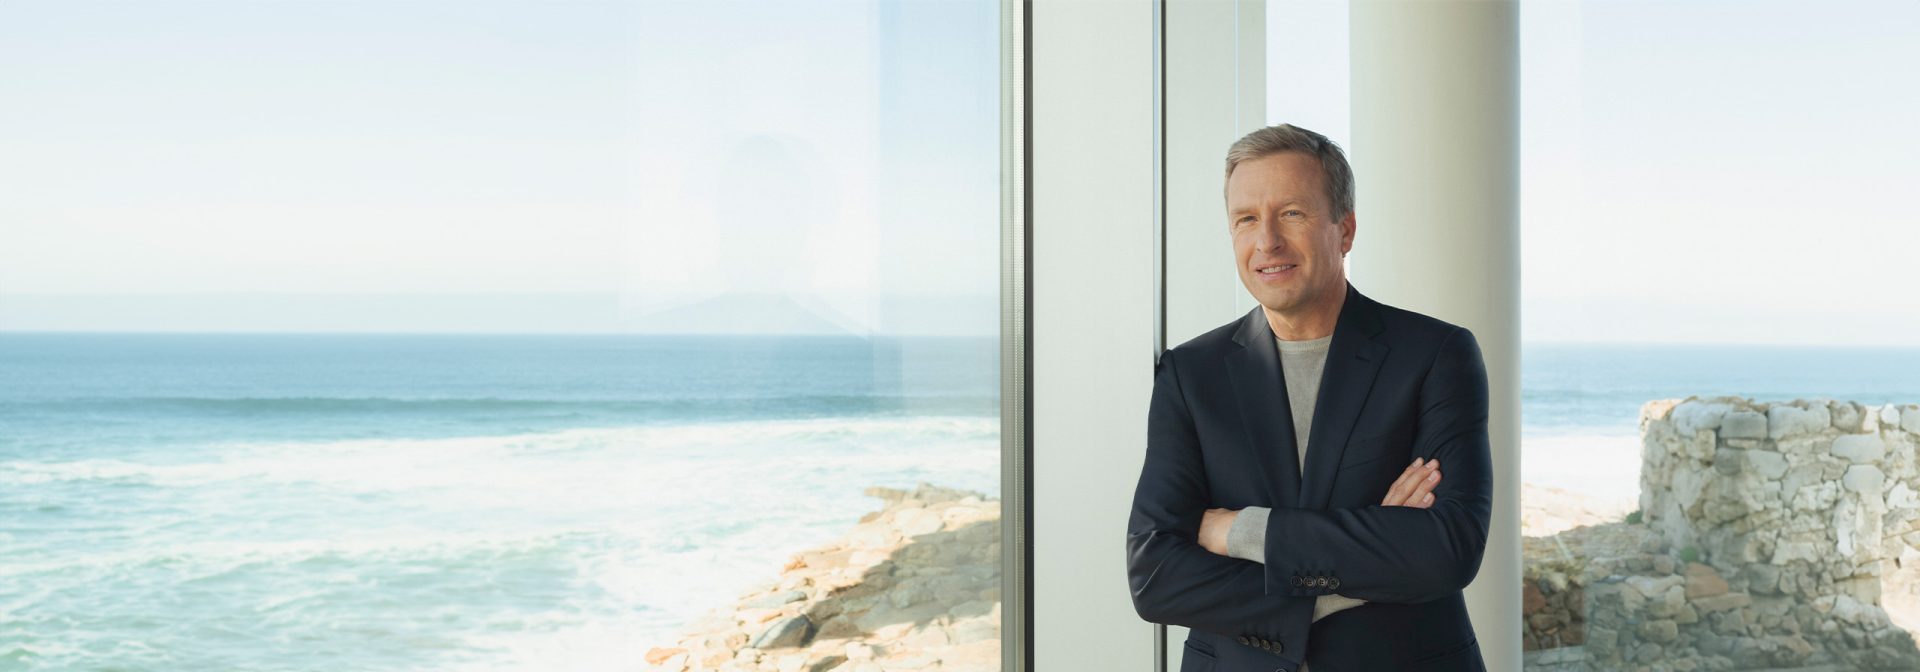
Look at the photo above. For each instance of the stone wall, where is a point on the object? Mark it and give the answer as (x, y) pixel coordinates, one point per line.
(1560, 567)
(1790, 530)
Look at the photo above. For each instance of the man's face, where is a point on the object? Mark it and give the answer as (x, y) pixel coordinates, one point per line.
(1278, 214)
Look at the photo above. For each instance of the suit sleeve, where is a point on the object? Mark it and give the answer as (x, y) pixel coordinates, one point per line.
(1395, 553)
(1173, 579)
(1247, 539)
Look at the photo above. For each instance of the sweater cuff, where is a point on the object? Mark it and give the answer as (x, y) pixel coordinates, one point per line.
(1247, 538)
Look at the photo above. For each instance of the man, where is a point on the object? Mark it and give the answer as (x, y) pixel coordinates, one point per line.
(1271, 438)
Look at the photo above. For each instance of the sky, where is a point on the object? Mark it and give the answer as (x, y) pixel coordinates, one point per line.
(1694, 172)
(499, 166)
(1713, 171)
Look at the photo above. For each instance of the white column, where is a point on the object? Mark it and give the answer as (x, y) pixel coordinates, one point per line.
(1436, 164)
(1092, 325)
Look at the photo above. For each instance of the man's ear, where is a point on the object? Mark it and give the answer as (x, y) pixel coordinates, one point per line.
(1348, 226)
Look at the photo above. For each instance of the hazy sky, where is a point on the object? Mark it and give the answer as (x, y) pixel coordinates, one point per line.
(346, 165)
(1721, 171)
(1699, 171)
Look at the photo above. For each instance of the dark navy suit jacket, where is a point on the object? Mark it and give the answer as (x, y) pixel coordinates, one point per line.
(1396, 385)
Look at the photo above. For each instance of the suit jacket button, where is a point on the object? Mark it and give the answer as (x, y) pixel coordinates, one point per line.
(1321, 582)
(1245, 640)
(1297, 581)
(1333, 582)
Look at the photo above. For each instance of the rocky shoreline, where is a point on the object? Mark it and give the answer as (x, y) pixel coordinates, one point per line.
(833, 608)
(1768, 535)
(914, 586)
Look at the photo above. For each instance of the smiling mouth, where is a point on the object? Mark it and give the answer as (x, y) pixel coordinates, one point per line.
(1269, 272)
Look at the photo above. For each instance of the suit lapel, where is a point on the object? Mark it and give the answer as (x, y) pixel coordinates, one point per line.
(1353, 358)
(1264, 412)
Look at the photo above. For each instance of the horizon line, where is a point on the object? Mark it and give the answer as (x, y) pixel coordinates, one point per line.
(877, 334)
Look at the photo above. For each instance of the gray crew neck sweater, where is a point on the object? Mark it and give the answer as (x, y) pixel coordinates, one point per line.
(1302, 363)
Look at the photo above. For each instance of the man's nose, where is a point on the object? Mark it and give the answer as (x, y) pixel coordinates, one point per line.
(1270, 238)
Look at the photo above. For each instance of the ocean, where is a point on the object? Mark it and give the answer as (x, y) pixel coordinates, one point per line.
(444, 502)
(1580, 403)
(391, 502)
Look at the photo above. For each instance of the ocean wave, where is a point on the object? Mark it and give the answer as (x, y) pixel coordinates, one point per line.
(468, 461)
(388, 583)
(21, 472)
(211, 557)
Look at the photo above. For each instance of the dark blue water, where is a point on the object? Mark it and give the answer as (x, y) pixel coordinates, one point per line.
(88, 392)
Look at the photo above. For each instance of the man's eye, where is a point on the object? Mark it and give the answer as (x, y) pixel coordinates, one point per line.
(1292, 213)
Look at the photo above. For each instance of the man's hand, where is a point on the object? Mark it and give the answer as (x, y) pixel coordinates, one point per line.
(1415, 485)
(1414, 489)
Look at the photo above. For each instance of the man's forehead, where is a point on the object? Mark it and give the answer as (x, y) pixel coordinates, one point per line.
(1270, 191)
(1294, 177)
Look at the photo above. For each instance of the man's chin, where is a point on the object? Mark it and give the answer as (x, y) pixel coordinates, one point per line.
(1279, 304)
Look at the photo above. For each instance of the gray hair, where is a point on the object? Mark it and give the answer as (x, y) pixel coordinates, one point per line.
(1338, 176)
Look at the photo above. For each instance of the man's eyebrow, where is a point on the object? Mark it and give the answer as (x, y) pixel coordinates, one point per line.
(1250, 208)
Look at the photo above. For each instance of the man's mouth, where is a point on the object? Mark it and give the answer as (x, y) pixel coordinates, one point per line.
(1276, 271)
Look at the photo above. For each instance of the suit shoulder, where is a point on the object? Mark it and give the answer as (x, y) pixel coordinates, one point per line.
(1425, 338)
(1407, 325)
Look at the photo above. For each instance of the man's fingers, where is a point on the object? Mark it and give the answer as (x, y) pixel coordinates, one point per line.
(1394, 492)
(1422, 495)
(1408, 489)
(1403, 486)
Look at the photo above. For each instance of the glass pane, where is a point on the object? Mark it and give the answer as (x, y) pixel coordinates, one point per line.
(1719, 373)
(1308, 67)
(1307, 83)
(499, 335)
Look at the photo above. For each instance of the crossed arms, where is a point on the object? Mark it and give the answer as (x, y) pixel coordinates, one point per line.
(1396, 554)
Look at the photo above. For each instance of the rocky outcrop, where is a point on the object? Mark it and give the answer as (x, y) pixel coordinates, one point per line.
(914, 586)
(1559, 567)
